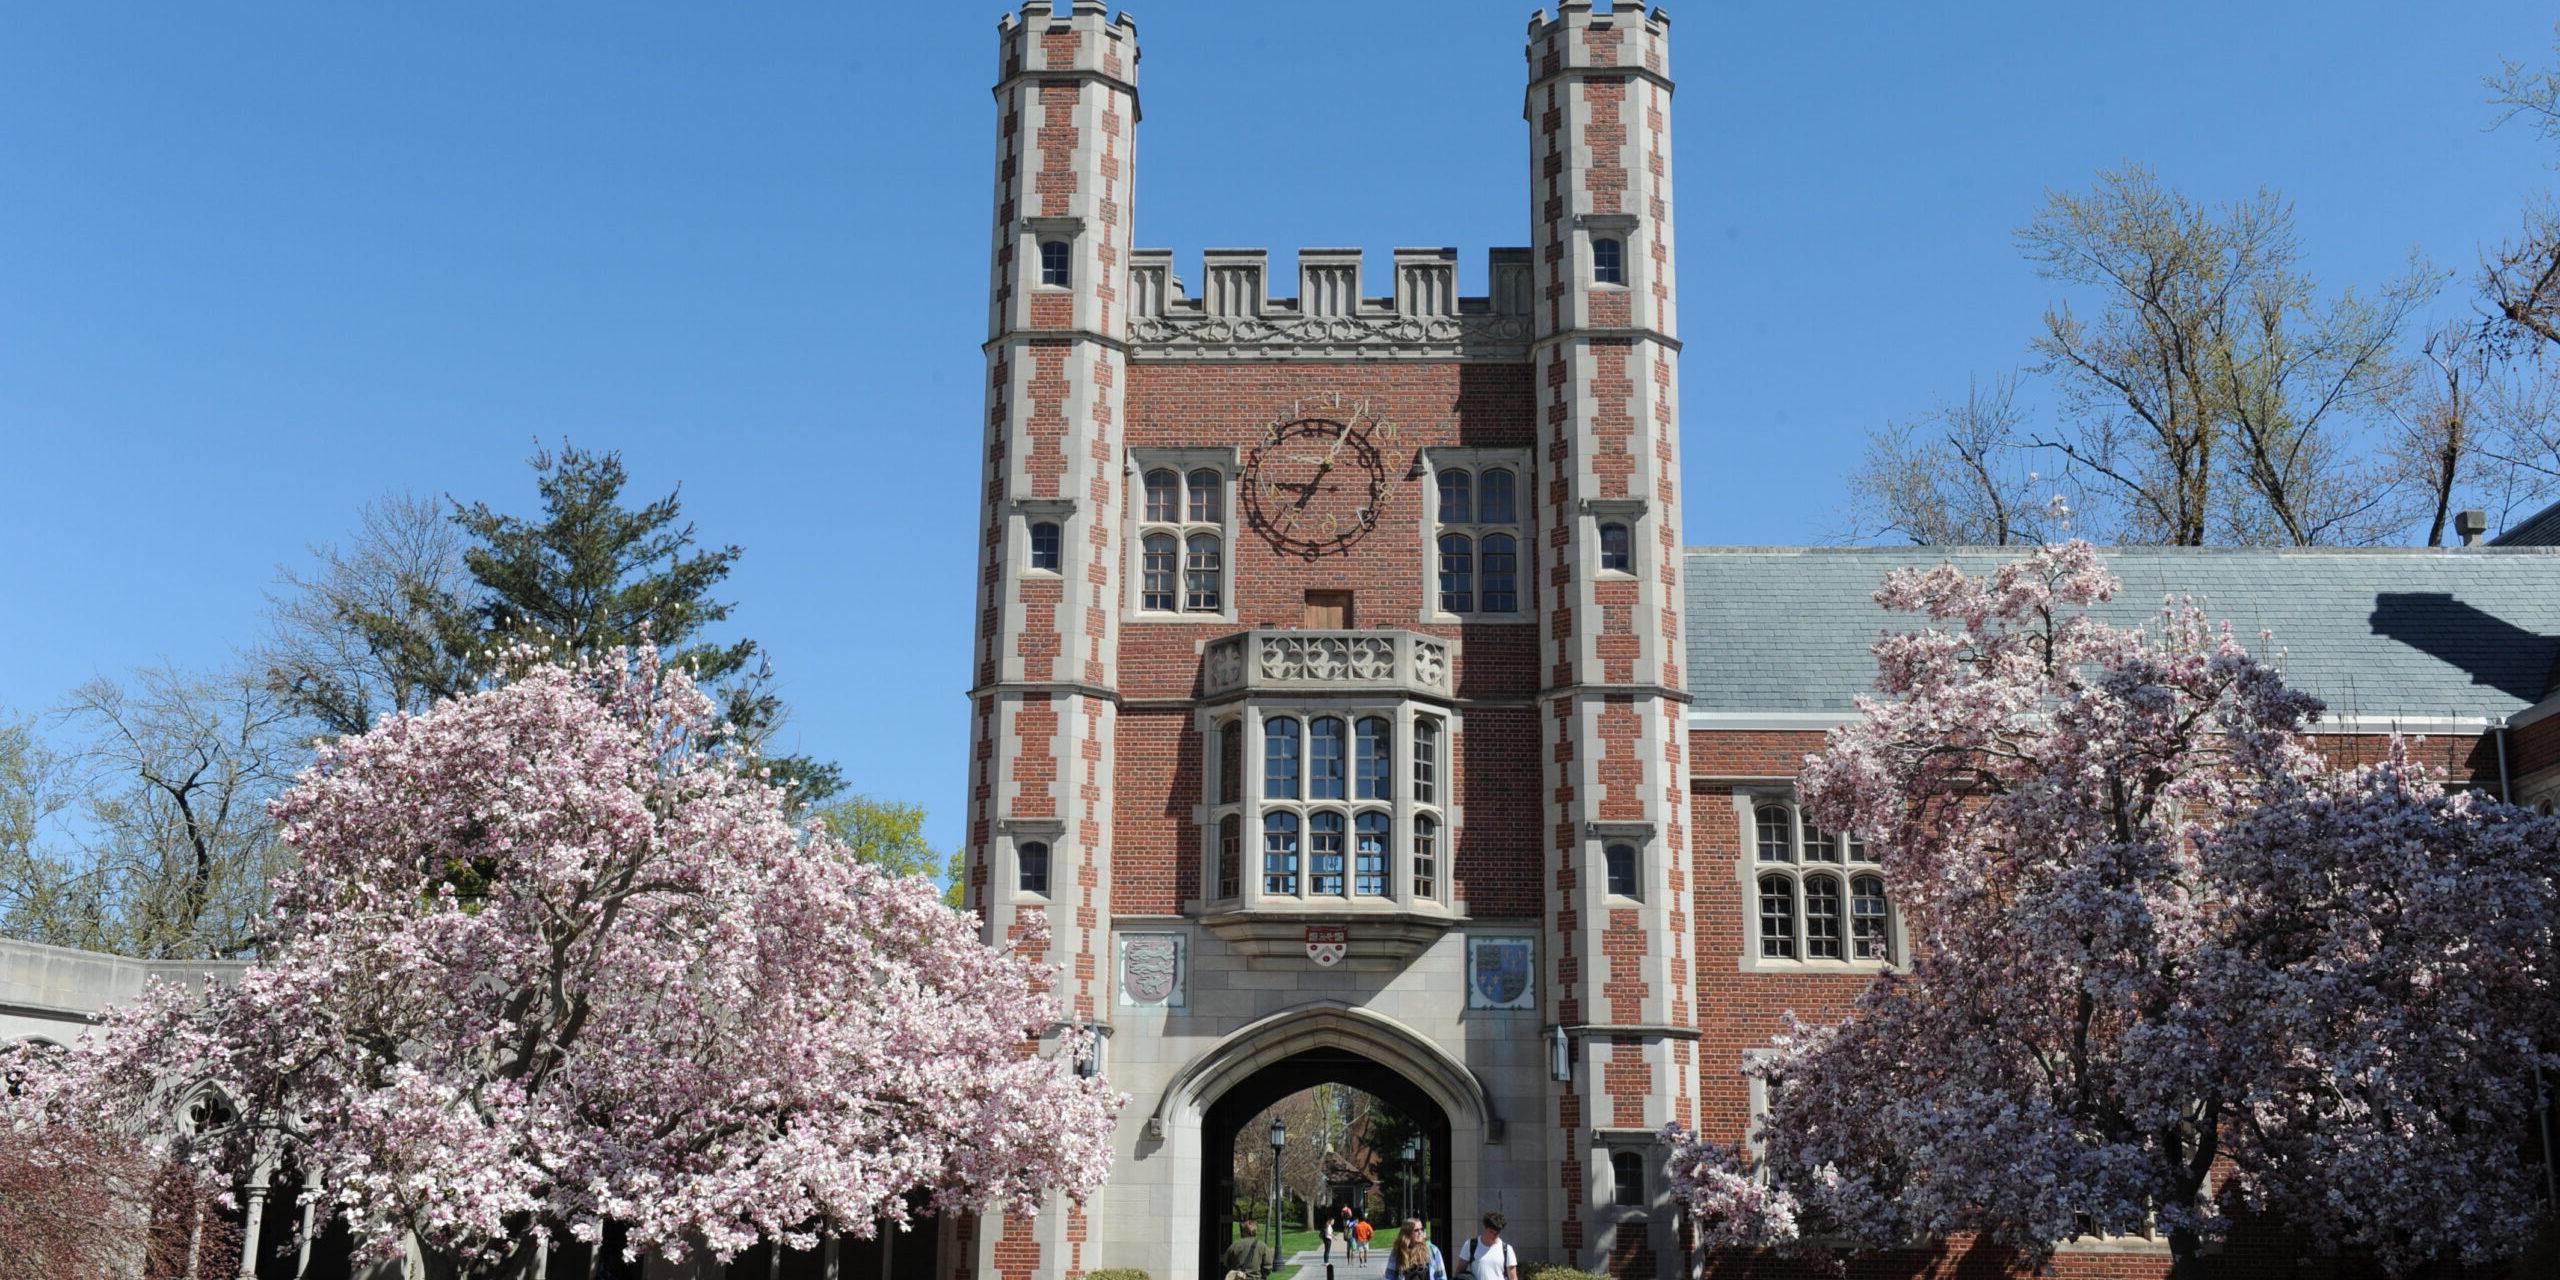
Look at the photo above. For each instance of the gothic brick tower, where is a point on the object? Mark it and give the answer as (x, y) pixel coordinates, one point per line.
(1609, 574)
(1044, 696)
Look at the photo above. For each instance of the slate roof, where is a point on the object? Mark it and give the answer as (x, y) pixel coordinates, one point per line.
(2541, 529)
(2412, 634)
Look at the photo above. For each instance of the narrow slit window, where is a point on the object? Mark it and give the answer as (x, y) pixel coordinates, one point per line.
(1230, 856)
(1230, 762)
(1617, 552)
(1626, 1175)
(1053, 263)
(1044, 546)
(1608, 261)
(1426, 761)
(1031, 863)
(1620, 862)
(1426, 858)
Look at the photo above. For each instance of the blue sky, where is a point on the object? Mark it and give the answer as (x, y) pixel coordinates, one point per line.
(261, 263)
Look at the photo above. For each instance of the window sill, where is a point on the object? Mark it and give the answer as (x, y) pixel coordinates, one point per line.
(1476, 619)
(1835, 968)
(1180, 619)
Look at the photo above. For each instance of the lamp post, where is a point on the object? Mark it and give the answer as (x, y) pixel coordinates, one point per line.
(1279, 1140)
(1412, 1147)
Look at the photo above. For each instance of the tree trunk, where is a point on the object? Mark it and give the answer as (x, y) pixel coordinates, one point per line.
(2186, 1254)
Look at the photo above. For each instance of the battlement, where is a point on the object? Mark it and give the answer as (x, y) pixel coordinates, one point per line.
(1235, 316)
(1086, 40)
(1627, 38)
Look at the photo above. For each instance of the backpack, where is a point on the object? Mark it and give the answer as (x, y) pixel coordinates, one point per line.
(1475, 1245)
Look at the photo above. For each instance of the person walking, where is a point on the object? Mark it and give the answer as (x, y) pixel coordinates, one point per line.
(1413, 1256)
(1246, 1255)
(1360, 1233)
(1487, 1256)
(1328, 1239)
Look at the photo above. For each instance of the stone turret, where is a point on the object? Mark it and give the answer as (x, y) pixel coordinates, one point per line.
(1606, 352)
(1045, 670)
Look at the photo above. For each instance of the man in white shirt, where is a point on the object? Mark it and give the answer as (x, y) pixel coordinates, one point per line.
(1487, 1256)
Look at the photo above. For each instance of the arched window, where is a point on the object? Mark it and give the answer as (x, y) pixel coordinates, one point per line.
(1280, 759)
(1155, 572)
(1369, 855)
(1777, 918)
(1208, 497)
(1457, 573)
(1053, 262)
(1426, 761)
(1501, 574)
(1280, 854)
(1230, 763)
(1869, 917)
(1200, 575)
(1620, 861)
(1496, 501)
(1426, 857)
(1324, 758)
(1324, 853)
(1818, 844)
(1626, 1173)
(1776, 828)
(1821, 918)
(1608, 262)
(1616, 553)
(1374, 779)
(1457, 498)
(1163, 496)
(1032, 864)
(1230, 856)
(1044, 546)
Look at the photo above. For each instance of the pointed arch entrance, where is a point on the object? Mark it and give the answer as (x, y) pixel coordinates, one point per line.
(1198, 1114)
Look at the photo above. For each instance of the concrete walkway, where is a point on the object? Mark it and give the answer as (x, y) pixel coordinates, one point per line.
(1310, 1264)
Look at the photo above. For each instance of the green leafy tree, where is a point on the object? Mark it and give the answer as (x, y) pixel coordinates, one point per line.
(890, 835)
(408, 614)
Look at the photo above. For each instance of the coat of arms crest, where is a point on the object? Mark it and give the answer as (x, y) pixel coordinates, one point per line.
(1151, 968)
(1327, 944)
(1498, 971)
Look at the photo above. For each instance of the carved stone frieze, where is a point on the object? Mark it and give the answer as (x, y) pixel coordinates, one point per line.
(1288, 337)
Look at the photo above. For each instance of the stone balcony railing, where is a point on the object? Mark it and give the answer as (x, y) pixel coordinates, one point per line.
(1273, 660)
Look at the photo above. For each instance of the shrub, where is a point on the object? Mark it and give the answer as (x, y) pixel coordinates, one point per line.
(1556, 1271)
(1116, 1273)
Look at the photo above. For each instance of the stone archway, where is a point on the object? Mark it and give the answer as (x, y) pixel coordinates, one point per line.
(1194, 1120)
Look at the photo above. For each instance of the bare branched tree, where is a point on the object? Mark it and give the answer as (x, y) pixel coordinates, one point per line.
(1955, 477)
(2521, 279)
(2214, 396)
(168, 853)
(2437, 451)
(359, 633)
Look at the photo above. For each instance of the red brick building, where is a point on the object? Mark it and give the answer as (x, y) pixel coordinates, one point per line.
(1346, 702)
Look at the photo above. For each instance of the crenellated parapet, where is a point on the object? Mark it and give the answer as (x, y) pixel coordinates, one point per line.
(1086, 43)
(1422, 318)
(1627, 39)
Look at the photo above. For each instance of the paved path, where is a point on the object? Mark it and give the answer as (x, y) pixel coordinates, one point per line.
(1310, 1264)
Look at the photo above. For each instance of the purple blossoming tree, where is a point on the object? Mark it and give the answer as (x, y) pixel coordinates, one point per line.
(2172, 963)
(548, 958)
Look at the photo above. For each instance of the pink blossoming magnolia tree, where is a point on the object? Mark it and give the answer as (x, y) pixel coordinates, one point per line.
(2171, 964)
(546, 959)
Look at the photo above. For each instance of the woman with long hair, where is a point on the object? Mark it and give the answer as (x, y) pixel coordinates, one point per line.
(1414, 1257)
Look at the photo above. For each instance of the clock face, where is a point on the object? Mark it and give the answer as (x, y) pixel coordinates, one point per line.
(1316, 481)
